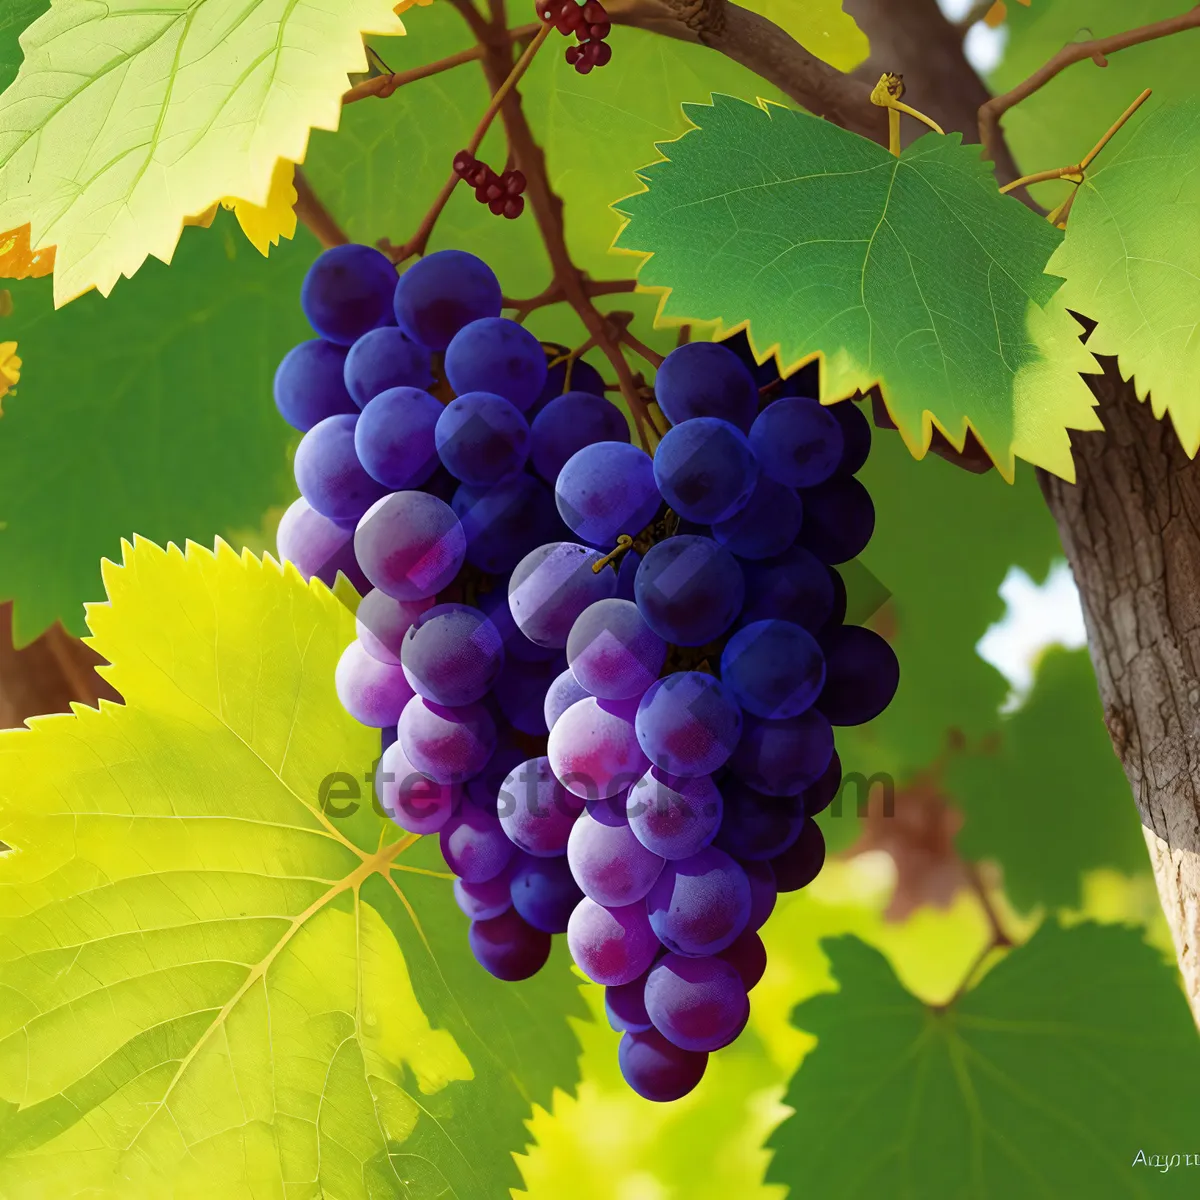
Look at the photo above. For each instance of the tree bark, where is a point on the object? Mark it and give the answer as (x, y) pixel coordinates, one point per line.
(1130, 526)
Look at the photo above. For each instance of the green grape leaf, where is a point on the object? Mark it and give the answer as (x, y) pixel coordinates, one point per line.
(1065, 118)
(148, 413)
(215, 982)
(15, 17)
(1130, 264)
(912, 273)
(124, 119)
(944, 540)
(1046, 1079)
(1053, 770)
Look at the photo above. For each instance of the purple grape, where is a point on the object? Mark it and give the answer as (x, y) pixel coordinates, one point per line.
(505, 522)
(698, 1004)
(348, 292)
(484, 789)
(328, 472)
(819, 796)
(441, 484)
(793, 586)
(625, 1006)
(497, 355)
(747, 956)
(545, 893)
(689, 589)
(611, 946)
(517, 647)
(688, 723)
(536, 811)
(757, 827)
(801, 863)
(382, 623)
(452, 654)
(862, 675)
(797, 441)
(583, 377)
(569, 423)
(608, 862)
(520, 694)
(560, 695)
(774, 668)
(762, 892)
(509, 947)
(373, 693)
(856, 436)
(838, 614)
(698, 905)
(414, 801)
(551, 586)
(706, 470)
(613, 653)
(627, 574)
(410, 545)
(309, 386)
(781, 758)
(447, 744)
(482, 901)
(394, 437)
(706, 379)
(317, 547)
(766, 526)
(481, 439)
(474, 845)
(384, 359)
(764, 373)
(594, 750)
(607, 489)
(658, 1070)
(674, 817)
(441, 293)
(839, 519)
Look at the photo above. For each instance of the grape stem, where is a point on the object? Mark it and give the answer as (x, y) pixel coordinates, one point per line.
(314, 216)
(998, 938)
(417, 243)
(1097, 49)
(651, 356)
(555, 295)
(384, 85)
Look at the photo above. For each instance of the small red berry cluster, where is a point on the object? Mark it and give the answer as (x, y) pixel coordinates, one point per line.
(501, 193)
(588, 22)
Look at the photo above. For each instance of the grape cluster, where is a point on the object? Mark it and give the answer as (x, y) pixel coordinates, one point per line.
(503, 194)
(607, 680)
(588, 21)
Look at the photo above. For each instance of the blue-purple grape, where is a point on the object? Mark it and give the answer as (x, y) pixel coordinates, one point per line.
(545, 893)
(552, 585)
(793, 586)
(536, 812)
(394, 437)
(862, 675)
(612, 652)
(698, 1004)
(452, 654)
(441, 293)
(474, 846)
(755, 827)
(569, 423)
(802, 861)
(505, 522)
(797, 441)
(627, 575)
(373, 693)
(328, 472)
(517, 647)
(309, 385)
(593, 748)
(783, 757)
(675, 817)
(820, 795)
(608, 862)
(625, 1006)
(705, 470)
(520, 693)
(509, 947)
(494, 354)
(482, 438)
(383, 621)
(560, 695)
(415, 802)
(747, 956)
(348, 292)
(763, 892)
(706, 379)
(657, 1069)
(698, 905)
(317, 547)
(607, 489)
(484, 789)
(766, 525)
(611, 946)
(688, 723)
(447, 744)
(773, 668)
(571, 375)
(856, 436)
(689, 589)
(384, 359)
(410, 545)
(839, 519)
(482, 901)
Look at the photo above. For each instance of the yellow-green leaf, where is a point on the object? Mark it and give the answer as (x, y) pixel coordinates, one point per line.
(126, 118)
(211, 985)
(1132, 261)
(264, 224)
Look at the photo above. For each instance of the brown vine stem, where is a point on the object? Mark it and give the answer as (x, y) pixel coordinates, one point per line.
(384, 85)
(419, 240)
(998, 938)
(1096, 49)
(554, 295)
(312, 214)
(651, 356)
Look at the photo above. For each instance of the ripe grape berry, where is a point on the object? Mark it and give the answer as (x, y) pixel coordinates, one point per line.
(607, 680)
(503, 194)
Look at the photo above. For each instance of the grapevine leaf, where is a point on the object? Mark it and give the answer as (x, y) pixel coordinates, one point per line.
(1065, 117)
(1053, 769)
(265, 224)
(157, 419)
(123, 120)
(15, 17)
(1044, 1080)
(909, 272)
(1129, 266)
(213, 986)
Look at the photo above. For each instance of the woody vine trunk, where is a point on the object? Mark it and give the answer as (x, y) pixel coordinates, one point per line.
(1130, 526)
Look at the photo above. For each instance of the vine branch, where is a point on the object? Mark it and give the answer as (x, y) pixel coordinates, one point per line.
(554, 295)
(1096, 49)
(312, 214)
